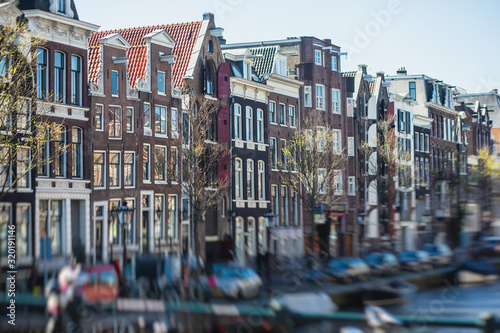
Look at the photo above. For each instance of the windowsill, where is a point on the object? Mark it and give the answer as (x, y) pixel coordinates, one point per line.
(273, 123)
(162, 136)
(99, 130)
(146, 182)
(174, 183)
(114, 138)
(283, 125)
(114, 95)
(161, 93)
(339, 113)
(162, 182)
(275, 169)
(99, 188)
(308, 106)
(129, 187)
(130, 132)
(115, 187)
(293, 126)
(24, 190)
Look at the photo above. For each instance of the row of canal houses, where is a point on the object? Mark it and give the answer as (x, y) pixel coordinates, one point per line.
(126, 96)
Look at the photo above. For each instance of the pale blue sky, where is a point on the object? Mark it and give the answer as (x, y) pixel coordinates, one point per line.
(452, 40)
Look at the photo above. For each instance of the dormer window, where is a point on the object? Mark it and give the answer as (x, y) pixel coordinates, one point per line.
(61, 6)
(247, 71)
(280, 67)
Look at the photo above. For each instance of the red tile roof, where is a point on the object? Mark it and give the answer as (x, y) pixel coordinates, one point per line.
(185, 34)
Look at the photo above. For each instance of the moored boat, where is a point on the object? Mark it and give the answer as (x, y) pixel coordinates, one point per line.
(477, 272)
(394, 292)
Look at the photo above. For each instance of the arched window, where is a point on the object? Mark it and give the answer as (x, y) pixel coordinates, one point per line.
(261, 182)
(238, 178)
(251, 236)
(210, 46)
(77, 152)
(250, 180)
(210, 78)
(240, 240)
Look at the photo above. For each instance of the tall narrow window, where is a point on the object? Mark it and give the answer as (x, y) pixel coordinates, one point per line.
(76, 80)
(320, 97)
(174, 156)
(321, 137)
(322, 181)
(77, 152)
(250, 180)
(336, 101)
(350, 146)
(23, 167)
(283, 154)
(174, 120)
(274, 198)
(337, 141)
(291, 116)
(293, 156)
(295, 208)
(260, 125)
(261, 181)
(60, 159)
(99, 169)
(237, 122)
(160, 120)
(161, 83)
(61, 6)
(43, 158)
(41, 74)
(337, 182)
(413, 90)
(284, 201)
(115, 121)
(5, 168)
(172, 217)
(352, 185)
(23, 230)
(146, 164)
(159, 217)
(238, 178)
(129, 169)
(318, 57)
(114, 83)
(307, 96)
(274, 152)
(59, 77)
(147, 115)
(160, 163)
(249, 124)
(282, 114)
(130, 119)
(334, 63)
(350, 107)
(114, 169)
(272, 112)
(98, 117)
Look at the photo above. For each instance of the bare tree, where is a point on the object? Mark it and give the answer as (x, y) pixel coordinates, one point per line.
(313, 164)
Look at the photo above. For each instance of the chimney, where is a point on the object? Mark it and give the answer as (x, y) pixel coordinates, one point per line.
(401, 71)
(362, 68)
(327, 41)
(208, 16)
(495, 91)
(381, 74)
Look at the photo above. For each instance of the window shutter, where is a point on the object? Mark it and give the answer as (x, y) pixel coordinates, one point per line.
(408, 122)
(224, 169)
(224, 81)
(205, 76)
(223, 124)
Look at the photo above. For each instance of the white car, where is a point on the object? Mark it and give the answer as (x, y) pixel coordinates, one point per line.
(235, 282)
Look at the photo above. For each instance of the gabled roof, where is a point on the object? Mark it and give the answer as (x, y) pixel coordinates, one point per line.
(265, 63)
(349, 74)
(45, 6)
(185, 35)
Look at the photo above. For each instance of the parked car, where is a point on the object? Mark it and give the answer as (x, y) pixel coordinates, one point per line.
(101, 287)
(440, 254)
(347, 270)
(415, 261)
(232, 281)
(383, 263)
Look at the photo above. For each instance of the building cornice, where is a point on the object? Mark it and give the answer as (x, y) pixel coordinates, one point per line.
(441, 108)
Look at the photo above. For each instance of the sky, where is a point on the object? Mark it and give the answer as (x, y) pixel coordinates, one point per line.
(450, 40)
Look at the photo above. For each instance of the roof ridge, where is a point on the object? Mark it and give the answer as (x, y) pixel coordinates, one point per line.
(158, 26)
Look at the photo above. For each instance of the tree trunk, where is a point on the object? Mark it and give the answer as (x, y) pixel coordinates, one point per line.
(197, 254)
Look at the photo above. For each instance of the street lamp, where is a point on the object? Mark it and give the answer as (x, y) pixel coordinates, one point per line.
(124, 214)
(159, 218)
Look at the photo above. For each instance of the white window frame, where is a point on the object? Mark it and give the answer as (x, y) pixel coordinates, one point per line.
(104, 169)
(249, 123)
(321, 137)
(131, 109)
(119, 168)
(76, 81)
(146, 124)
(63, 83)
(238, 135)
(260, 126)
(174, 122)
(283, 115)
(307, 96)
(159, 218)
(350, 146)
(261, 180)
(80, 150)
(334, 63)
(160, 132)
(274, 162)
(133, 169)
(338, 182)
(161, 87)
(272, 110)
(117, 83)
(352, 185)
(120, 130)
(174, 156)
(148, 179)
(250, 179)
(292, 116)
(165, 169)
(337, 141)
(318, 57)
(175, 223)
(320, 97)
(322, 183)
(238, 179)
(27, 173)
(336, 106)
(351, 104)
(283, 156)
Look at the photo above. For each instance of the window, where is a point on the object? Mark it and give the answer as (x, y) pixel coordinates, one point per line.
(77, 152)
(5, 221)
(43, 158)
(185, 128)
(260, 125)
(320, 97)
(422, 143)
(161, 82)
(129, 169)
(61, 6)
(146, 164)
(274, 198)
(249, 124)
(160, 120)
(427, 170)
(293, 156)
(60, 158)
(295, 208)
(352, 185)
(318, 57)
(59, 77)
(174, 156)
(280, 67)
(272, 112)
(307, 96)
(274, 153)
(4, 65)
(284, 205)
(174, 118)
(322, 181)
(337, 182)
(283, 114)
(130, 120)
(247, 71)
(283, 154)
(350, 107)
(76, 80)
(159, 217)
(426, 143)
(237, 122)
(334, 63)
(114, 169)
(417, 140)
(114, 83)
(336, 101)
(309, 139)
(261, 181)
(115, 121)
(42, 84)
(147, 115)
(238, 179)
(350, 146)
(250, 180)
(23, 230)
(51, 218)
(210, 78)
(23, 167)
(413, 90)
(337, 141)
(24, 115)
(321, 137)
(210, 46)
(160, 163)
(99, 169)
(291, 116)
(98, 117)
(5, 169)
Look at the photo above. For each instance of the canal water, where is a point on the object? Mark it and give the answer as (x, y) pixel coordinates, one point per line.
(447, 301)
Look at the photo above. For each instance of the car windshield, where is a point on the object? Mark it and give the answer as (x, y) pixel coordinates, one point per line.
(108, 277)
(227, 273)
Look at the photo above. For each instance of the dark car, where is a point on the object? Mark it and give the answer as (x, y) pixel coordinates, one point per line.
(415, 261)
(347, 270)
(383, 263)
(440, 254)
